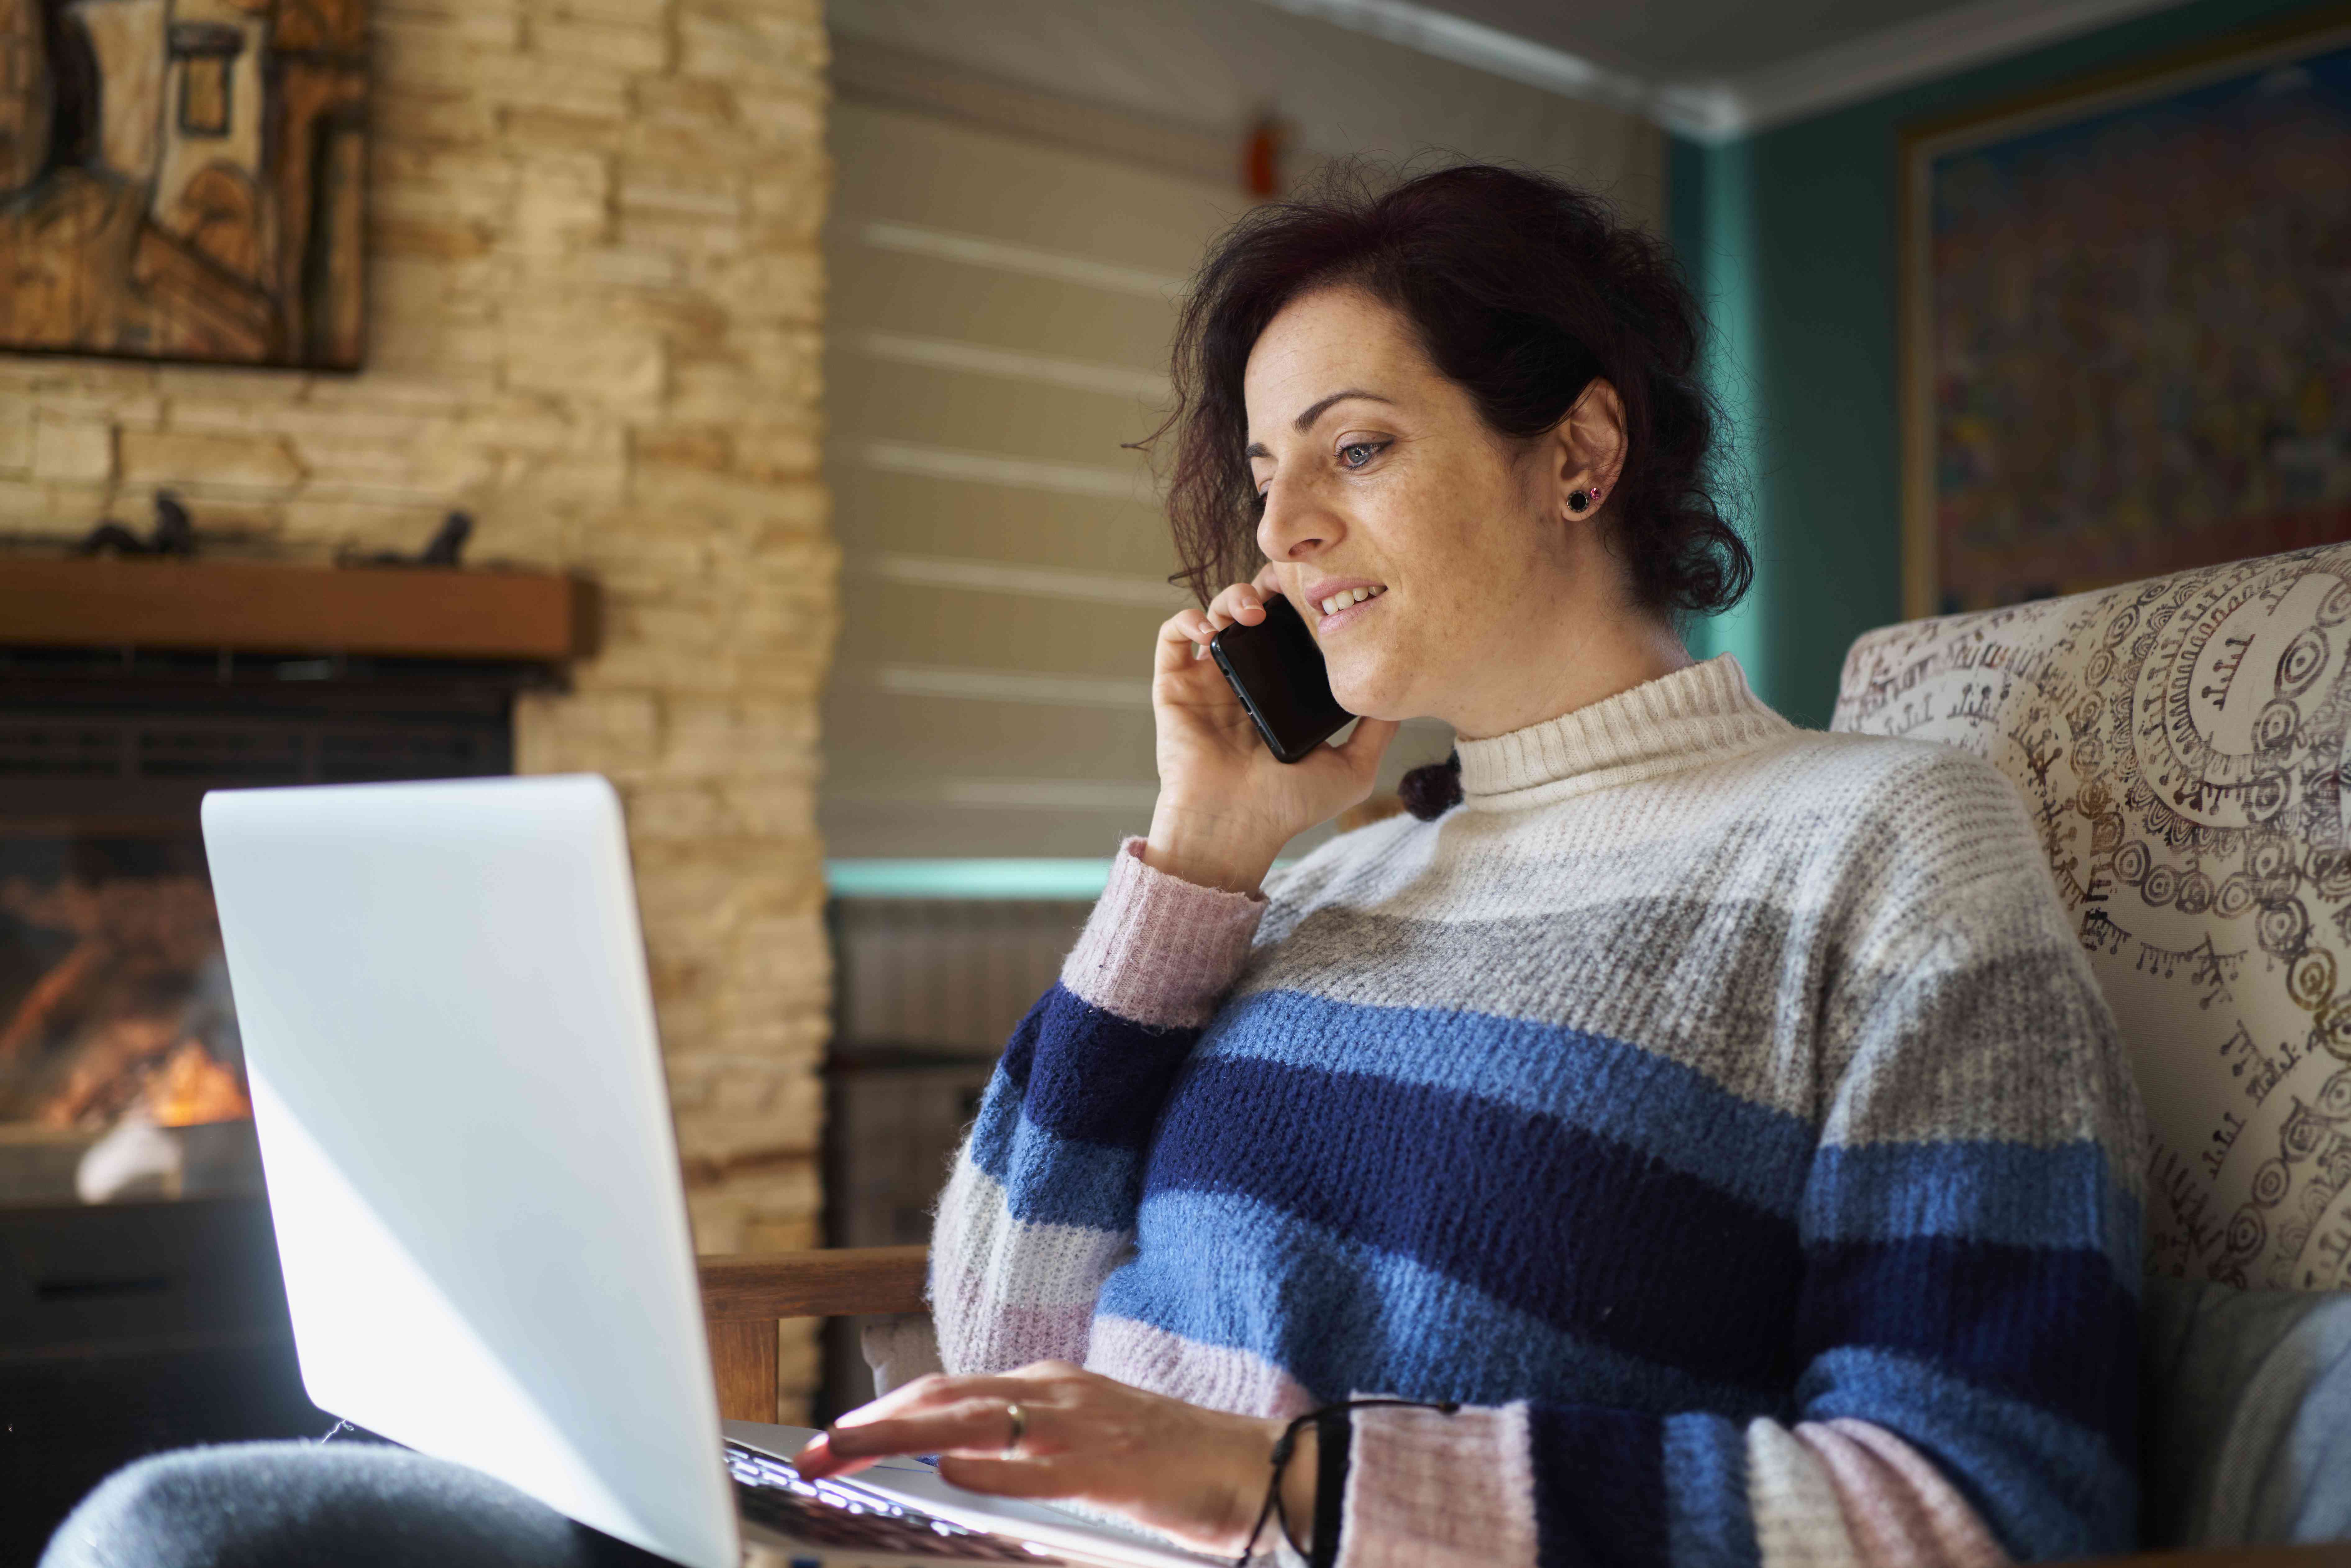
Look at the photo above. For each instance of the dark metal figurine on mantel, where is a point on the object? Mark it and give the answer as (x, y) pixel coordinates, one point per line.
(175, 535)
(443, 549)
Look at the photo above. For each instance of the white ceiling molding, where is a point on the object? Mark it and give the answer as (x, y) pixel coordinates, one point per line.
(1485, 48)
(1913, 52)
(1721, 110)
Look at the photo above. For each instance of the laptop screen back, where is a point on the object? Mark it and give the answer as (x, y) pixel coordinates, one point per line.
(465, 1130)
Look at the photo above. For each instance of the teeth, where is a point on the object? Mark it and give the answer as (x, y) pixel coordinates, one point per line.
(1338, 601)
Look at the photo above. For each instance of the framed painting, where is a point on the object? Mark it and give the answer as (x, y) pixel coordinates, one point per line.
(2126, 325)
(185, 179)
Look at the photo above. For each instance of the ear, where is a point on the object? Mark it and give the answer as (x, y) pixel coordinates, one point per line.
(1588, 448)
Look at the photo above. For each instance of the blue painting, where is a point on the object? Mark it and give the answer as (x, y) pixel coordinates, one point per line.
(2138, 328)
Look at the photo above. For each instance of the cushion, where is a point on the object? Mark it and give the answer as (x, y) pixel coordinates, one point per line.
(2247, 1414)
(2181, 744)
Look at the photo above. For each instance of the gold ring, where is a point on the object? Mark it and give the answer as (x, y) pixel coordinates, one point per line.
(1020, 1426)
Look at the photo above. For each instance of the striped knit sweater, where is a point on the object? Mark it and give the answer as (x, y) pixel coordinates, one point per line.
(1722, 1111)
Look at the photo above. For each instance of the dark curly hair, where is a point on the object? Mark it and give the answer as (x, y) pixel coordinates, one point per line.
(1521, 289)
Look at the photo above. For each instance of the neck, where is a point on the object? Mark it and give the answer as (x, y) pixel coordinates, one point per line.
(1593, 655)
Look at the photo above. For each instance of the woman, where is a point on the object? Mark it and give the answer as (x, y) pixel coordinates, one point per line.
(1719, 1114)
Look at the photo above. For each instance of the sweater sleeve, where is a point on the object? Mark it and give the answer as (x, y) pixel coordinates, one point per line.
(1966, 1323)
(1041, 1207)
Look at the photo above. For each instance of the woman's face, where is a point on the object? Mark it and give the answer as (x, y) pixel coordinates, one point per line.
(1379, 476)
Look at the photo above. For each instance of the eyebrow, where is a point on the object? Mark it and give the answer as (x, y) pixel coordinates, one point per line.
(1305, 420)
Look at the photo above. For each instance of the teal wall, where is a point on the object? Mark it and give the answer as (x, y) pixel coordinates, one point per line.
(1790, 236)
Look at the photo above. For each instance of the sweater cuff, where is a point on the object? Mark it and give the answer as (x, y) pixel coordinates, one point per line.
(1159, 950)
(1425, 1489)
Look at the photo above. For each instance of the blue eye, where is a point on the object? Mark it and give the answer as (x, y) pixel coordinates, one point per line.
(1370, 449)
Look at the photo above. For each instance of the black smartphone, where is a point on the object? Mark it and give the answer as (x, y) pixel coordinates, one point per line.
(1277, 670)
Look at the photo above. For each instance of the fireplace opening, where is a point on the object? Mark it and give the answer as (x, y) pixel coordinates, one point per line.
(119, 1049)
(121, 1075)
(140, 1302)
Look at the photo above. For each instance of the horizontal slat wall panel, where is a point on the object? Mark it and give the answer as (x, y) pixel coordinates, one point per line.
(963, 411)
(939, 627)
(937, 297)
(938, 174)
(1000, 317)
(998, 337)
(912, 515)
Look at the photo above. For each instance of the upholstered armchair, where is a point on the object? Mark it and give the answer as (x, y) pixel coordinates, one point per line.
(2184, 746)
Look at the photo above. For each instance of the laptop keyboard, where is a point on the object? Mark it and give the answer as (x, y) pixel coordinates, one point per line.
(771, 1493)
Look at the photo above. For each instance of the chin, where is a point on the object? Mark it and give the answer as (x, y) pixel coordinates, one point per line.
(1370, 693)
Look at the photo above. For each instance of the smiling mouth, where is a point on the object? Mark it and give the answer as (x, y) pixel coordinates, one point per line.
(1338, 601)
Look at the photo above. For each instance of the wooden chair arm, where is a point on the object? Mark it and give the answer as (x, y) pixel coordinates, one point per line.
(827, 1282)
(744, 1294)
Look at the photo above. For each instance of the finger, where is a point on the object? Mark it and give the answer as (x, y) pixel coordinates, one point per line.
(1009, 1478)
(817, 1460)
(1181, 637)
(1239, 602)
(933, 1391)
(1365, 749)
(983, 1426)
(1267, 580)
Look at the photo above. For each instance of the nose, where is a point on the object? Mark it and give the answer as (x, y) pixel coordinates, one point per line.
(1295, 525)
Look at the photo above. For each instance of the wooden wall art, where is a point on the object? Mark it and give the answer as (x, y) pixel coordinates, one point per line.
(183, 179)
(2127, 326)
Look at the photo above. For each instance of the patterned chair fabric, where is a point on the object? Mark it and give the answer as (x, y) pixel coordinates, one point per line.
(2182, 745)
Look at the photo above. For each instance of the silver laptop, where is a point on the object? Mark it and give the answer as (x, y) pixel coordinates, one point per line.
(465, 1128)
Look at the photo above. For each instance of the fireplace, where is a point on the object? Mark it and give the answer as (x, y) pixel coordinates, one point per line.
(140, 1302)
(120, 1076)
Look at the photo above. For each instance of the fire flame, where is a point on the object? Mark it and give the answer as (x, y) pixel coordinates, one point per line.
(193, 1088)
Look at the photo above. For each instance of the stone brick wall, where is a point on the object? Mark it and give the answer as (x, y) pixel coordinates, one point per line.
(594, 304)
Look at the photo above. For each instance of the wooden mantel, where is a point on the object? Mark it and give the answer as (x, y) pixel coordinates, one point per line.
(433, 613)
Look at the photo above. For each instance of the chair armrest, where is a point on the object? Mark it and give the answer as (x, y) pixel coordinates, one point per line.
(823, 1283)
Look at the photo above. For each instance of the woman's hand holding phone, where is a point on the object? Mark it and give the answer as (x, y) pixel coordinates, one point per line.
(1227, 804)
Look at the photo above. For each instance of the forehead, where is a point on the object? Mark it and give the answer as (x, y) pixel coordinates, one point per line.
(1321, 343)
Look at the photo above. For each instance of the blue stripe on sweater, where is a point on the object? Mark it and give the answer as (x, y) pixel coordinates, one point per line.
(1343, 1318)
(1049, 1182)
(1709, 1522)
(1086, 1074)
(2012, 1318)
(1704, 1281)
(2047, 1488)
(1599, 1487)
(1671, 1111)
(2011, 1194)
(1050, 1179)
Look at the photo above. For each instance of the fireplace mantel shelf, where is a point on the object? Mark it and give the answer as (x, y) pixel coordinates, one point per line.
(433, 613)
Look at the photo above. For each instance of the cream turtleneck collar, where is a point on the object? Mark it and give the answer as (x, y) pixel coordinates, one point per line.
(1699, 714)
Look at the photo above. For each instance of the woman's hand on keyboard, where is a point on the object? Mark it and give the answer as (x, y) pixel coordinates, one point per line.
(1196, 1474)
